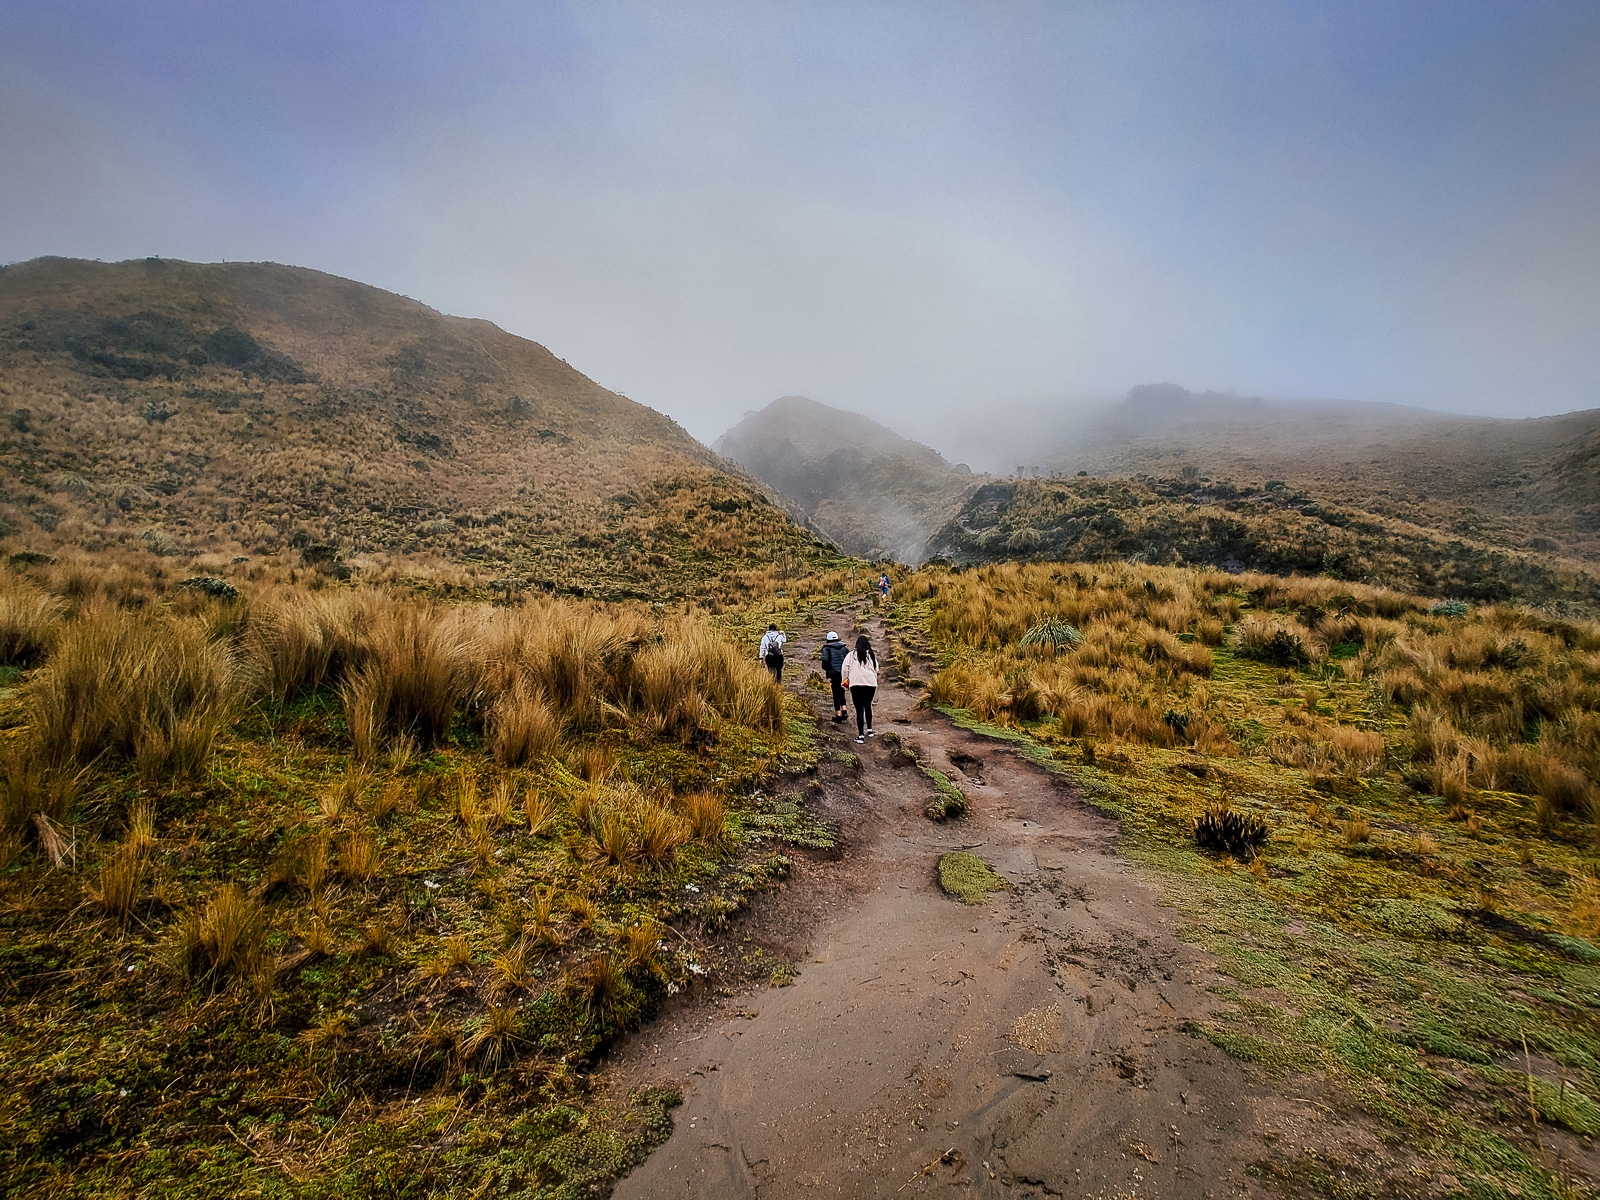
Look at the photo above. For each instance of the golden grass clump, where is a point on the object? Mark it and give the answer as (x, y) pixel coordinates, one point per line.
(707, 814)
(226, 937)
(120, 877)
(523, 728)
(358, 856)
(629, 827)
(411, 678)
(540, 812)
(494, 1041)
(138, 685)
(34, 798)
(30, 619)
(601, 985)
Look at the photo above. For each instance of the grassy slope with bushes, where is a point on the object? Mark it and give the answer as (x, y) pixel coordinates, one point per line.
(304, 420)
(1265, 528)
(1420, 930)
(328, 892)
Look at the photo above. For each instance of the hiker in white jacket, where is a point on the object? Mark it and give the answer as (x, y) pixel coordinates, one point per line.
(772, 652)
(860, 674)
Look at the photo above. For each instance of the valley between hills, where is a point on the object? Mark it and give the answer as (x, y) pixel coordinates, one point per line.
(392, 802)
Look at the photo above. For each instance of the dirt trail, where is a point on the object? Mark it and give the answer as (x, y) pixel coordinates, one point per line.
(1034, 1045)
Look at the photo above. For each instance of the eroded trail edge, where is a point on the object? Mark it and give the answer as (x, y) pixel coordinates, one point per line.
(1042, 1043)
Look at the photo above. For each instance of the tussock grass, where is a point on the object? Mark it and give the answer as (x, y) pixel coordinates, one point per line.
(224, 939)
(134, 685)
(30, 619)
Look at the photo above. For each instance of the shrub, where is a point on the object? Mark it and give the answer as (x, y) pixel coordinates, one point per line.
(1057, 635)
(1225, 831)
(210, 585)
(1280, 643)
(1450, 608)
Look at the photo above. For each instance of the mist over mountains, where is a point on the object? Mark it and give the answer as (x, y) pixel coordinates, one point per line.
(873, 492)
(1411, 497)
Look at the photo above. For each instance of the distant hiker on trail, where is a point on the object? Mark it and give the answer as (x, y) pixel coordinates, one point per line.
(860, 673)
(772, 652)
(833, 656)
(883, 586)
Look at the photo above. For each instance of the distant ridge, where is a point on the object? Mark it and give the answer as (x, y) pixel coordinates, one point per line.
(872, 491)
(1529, 483)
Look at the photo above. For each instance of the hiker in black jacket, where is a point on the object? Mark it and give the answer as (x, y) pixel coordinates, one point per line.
(833, 652)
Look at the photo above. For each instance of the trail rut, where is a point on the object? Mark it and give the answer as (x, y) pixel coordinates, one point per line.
(1040, 1044)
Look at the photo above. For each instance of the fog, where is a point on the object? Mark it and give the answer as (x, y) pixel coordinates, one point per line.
(965, 220)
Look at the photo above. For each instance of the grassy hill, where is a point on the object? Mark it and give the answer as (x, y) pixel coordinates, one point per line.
(1233, 526)
(1520, 485)
(270, 411)
(321, 874)
(872, 491)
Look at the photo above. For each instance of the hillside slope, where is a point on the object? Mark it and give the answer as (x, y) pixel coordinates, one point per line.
(1530, 484)
(872, 491)
(1274, 529)
(256, 408)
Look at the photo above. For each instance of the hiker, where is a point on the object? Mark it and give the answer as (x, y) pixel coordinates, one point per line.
(883, 586)
(772, 652)
(860, 674)
(833, 656)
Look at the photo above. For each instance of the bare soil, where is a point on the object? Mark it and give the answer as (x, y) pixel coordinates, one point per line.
(1040, 1044)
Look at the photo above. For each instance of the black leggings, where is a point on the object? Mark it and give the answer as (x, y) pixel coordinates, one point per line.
(862, 698)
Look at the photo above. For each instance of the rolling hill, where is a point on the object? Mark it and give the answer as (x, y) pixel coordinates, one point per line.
(257, 409)
(1527, 485)
(872, 491)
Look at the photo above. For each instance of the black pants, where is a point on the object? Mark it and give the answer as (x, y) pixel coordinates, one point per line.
(862, 698)
(838, 694)
(775, 665)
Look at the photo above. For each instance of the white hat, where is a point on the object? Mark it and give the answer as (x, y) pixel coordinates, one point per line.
(832, 636)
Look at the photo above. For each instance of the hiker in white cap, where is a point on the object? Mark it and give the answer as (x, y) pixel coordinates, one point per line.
(833, 653)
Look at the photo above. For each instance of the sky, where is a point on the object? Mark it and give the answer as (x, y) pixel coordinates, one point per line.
(937, 214)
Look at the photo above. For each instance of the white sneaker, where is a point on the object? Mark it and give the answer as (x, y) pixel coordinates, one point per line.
(859, 740)
(872, 733)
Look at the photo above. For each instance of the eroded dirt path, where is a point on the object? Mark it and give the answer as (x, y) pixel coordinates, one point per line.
(1036, 1045)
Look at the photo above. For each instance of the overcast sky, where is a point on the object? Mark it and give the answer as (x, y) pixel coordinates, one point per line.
(909, 210)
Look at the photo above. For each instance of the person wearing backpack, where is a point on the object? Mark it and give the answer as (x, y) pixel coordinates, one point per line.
(833, 656)
(772, 652)
(860, 674)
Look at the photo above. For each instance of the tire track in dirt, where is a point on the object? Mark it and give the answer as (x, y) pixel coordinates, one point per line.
(1038, 1045)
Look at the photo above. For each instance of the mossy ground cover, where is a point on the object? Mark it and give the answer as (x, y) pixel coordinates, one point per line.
(968, 878)
(1434, 960)
(428, 949)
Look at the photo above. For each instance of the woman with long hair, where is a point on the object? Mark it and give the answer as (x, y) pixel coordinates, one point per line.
(860, 673)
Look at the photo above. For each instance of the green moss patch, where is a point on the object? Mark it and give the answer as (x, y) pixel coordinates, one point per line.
(968, 878)
(947, 801)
